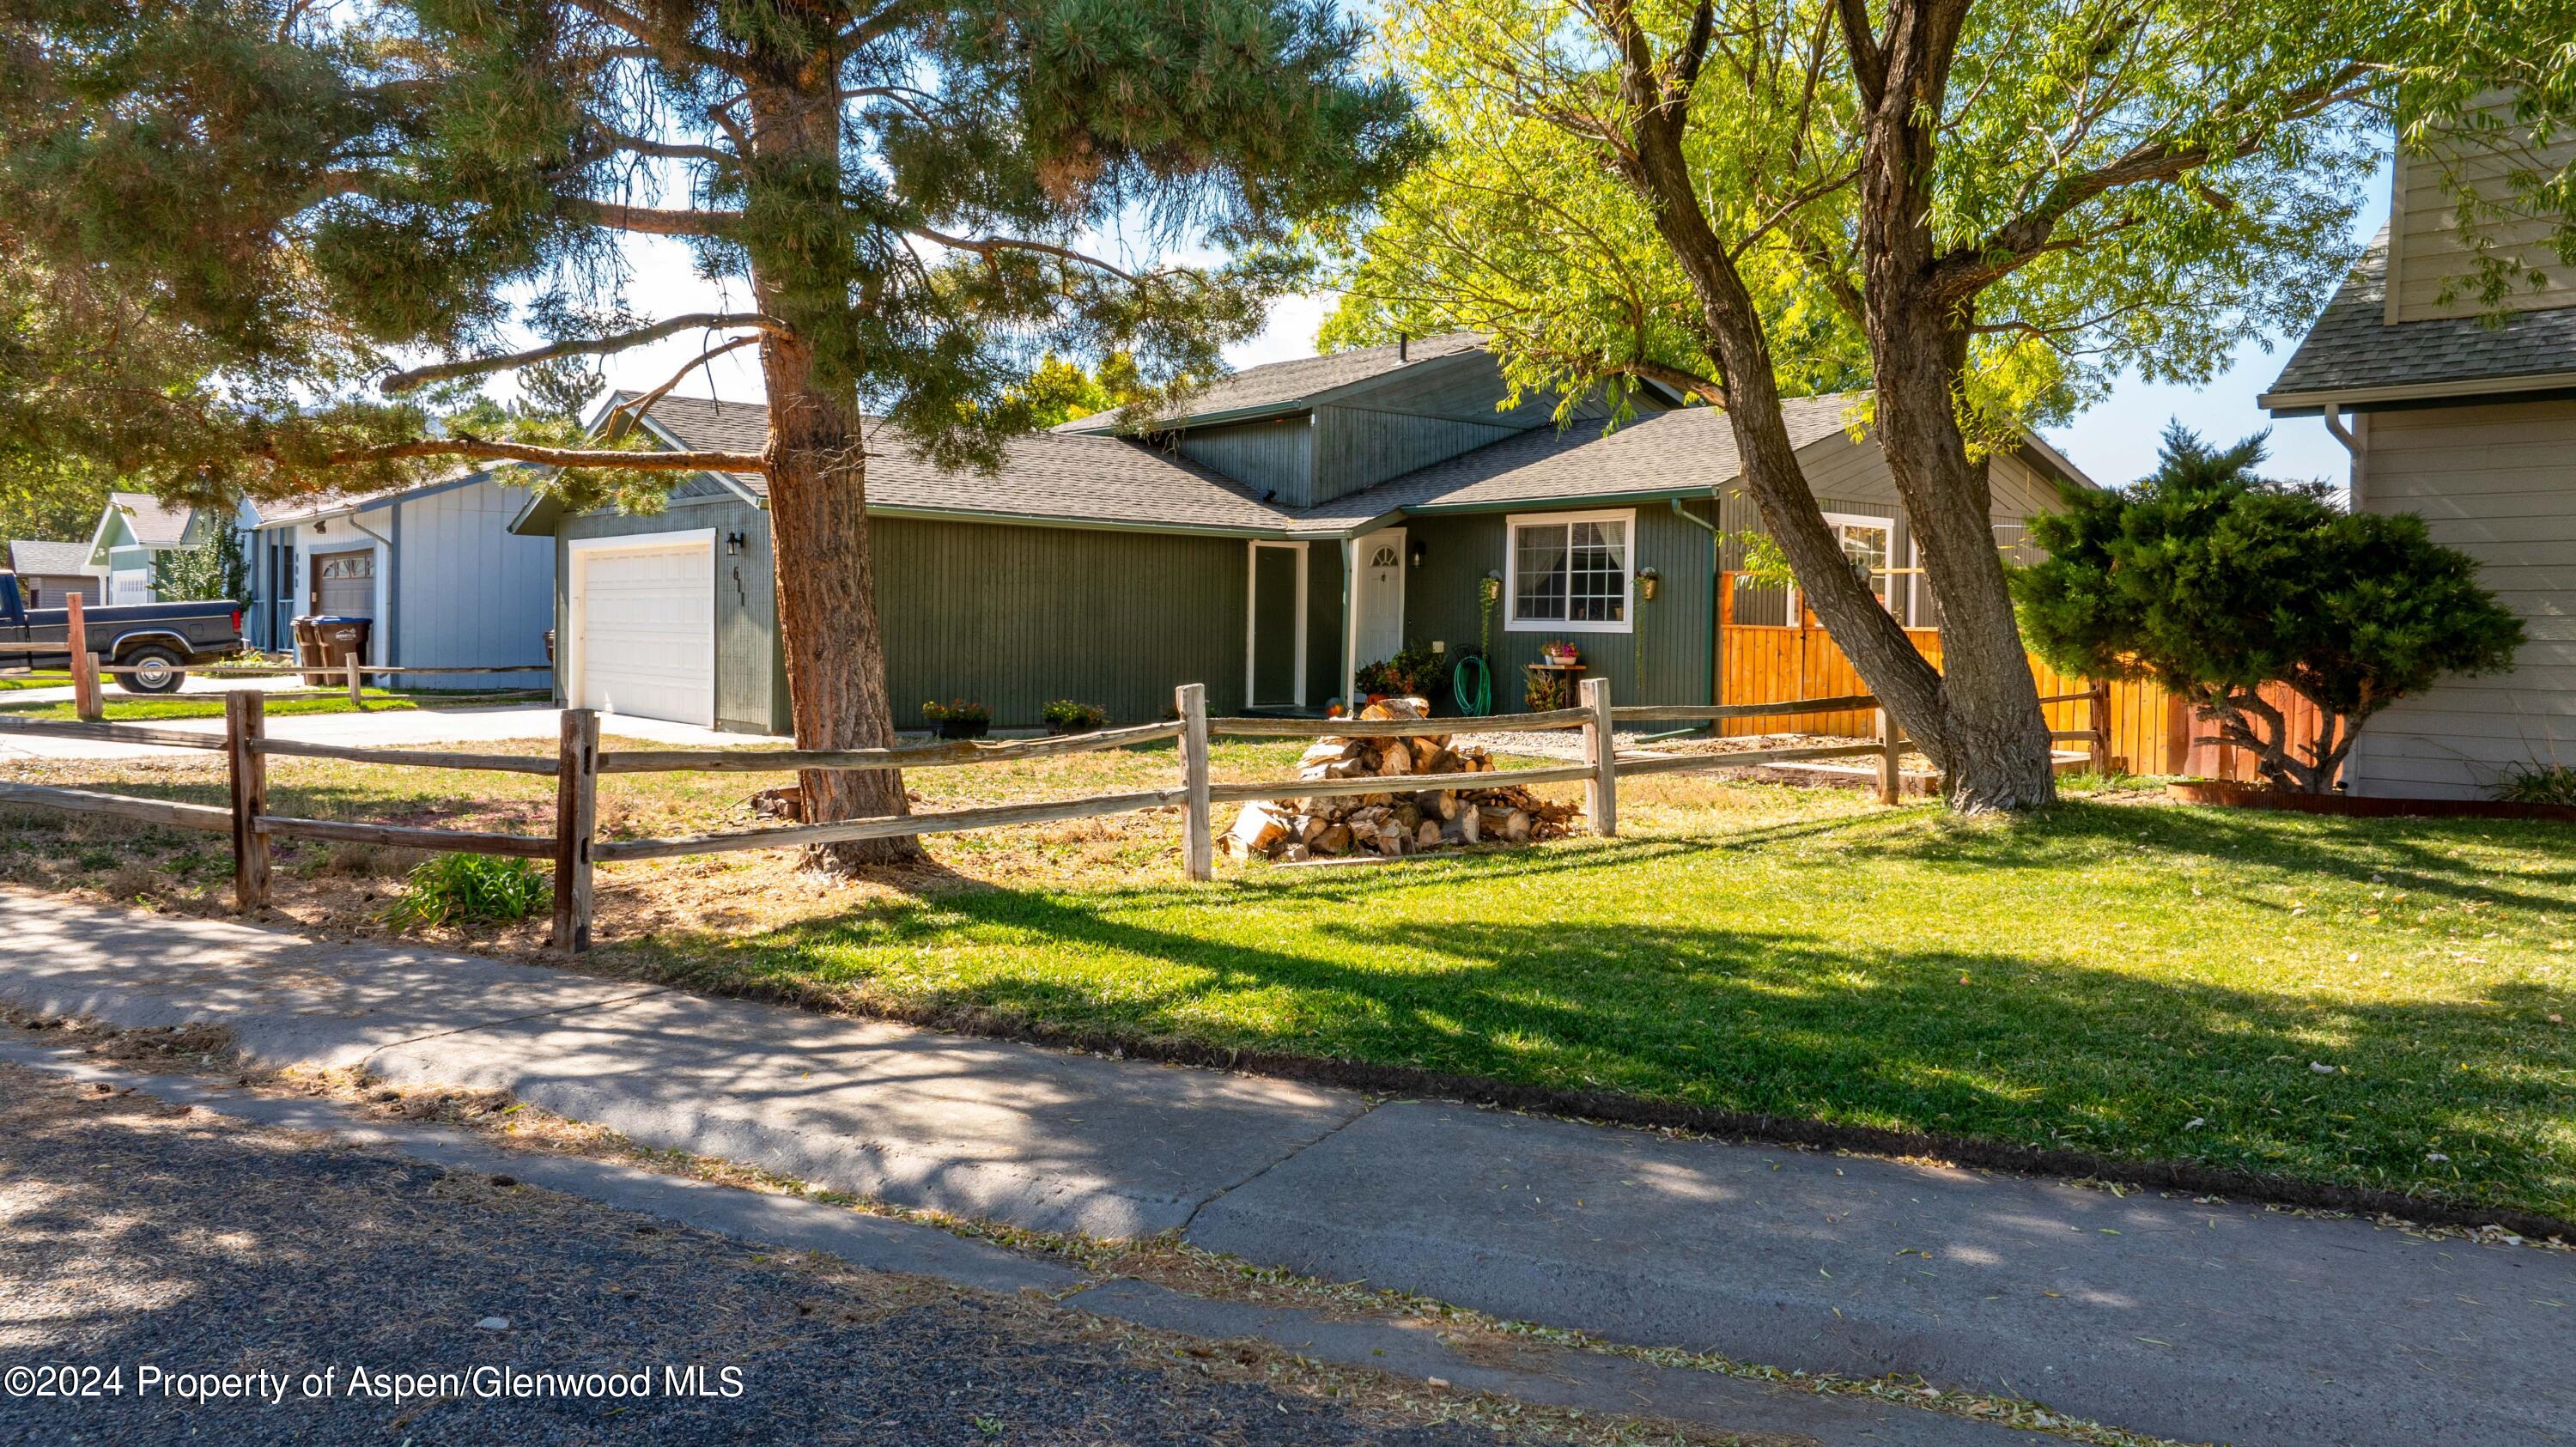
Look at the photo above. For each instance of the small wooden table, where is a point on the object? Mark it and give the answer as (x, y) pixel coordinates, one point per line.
(1569, 677)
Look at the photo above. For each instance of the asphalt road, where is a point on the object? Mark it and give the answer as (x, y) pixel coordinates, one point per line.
(137, 1236)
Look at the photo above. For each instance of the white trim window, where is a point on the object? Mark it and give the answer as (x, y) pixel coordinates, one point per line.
(1570, 572)
(1870, 545)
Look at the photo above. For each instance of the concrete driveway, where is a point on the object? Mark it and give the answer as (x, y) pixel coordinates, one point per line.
(388, 728)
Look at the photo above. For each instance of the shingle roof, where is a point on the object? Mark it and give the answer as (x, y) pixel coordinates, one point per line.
(1068, 477)
(306, 508)
(156, 524)
(2353, 348)
(33, 556)
(1282, 385)
(1689, 450)
(1080, 477)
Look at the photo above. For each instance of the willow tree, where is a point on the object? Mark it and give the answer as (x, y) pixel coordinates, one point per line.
(1983, 209)
(344, 209)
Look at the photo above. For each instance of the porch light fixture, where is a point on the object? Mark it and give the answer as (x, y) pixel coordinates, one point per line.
(1418, 552)
(733, 545)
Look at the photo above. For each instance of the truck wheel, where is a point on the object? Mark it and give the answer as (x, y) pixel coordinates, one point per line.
(157, 670)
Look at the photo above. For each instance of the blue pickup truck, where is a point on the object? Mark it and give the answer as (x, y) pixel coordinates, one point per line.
(159, 641)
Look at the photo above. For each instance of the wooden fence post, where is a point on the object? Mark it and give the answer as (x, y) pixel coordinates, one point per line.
(1600, 750)
(1198, 839)
(356, 700)
(85, 700)
(245, 725)
(2177, 736)
(576, 817)
(2098, 705)
(1891, 744)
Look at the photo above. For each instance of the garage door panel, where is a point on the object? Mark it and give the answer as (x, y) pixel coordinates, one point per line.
(646, 630)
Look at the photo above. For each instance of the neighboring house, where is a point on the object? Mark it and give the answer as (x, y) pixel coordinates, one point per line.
(50, 572)
(434, 566)
(1303, 519)
(135, 528)
(2470, 421)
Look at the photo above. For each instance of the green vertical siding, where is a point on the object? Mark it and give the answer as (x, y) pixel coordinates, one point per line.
(1272, 455)
(1274, 627)
(1015, 616)
(1664, 660)
(1323, 621)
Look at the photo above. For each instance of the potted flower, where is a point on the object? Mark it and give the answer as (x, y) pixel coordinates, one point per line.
(958, 719)
(1560, 654)
(1064, 716)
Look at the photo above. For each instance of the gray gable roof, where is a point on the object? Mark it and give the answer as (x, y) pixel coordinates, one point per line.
(1689, 451)
(1095, 480)
(305, 509)
(1287, 386)
(156, 524)
(2353, 349)
(1055, 477)
(32, 556)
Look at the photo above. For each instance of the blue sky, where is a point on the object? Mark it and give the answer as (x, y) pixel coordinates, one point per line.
(2115, 441)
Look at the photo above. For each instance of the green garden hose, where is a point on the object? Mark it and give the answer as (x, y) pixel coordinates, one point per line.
(1471, 687)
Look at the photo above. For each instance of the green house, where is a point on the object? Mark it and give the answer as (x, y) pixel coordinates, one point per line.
(1304, 519)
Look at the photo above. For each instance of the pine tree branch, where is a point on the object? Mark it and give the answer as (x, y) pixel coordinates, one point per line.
(668, 150)
(986, 246)
(469, 446)
(644, 404)
(648, 220)
(676, 51)
(418, 377)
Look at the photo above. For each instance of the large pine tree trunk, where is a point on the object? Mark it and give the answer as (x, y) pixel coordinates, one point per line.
(827, 604)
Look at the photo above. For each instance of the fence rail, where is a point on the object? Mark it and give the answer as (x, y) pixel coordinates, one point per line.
(908, 756)
(578, 763)
(122, 806)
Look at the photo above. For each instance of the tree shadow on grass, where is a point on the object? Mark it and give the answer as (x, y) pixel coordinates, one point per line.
(2412, 855)
(1986, 1043)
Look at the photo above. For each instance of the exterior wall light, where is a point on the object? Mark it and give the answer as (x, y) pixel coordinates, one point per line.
(1419, 552)
(733, 545)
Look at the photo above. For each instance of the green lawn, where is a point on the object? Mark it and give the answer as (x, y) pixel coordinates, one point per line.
(11, 682)
(2144, 982)
(2141, 980)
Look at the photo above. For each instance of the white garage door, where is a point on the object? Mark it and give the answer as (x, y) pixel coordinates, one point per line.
(644, 629)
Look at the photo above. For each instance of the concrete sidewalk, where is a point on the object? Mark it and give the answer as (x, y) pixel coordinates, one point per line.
(2200, 1322)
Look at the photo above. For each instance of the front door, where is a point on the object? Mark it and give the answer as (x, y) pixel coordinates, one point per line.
(1377, 598)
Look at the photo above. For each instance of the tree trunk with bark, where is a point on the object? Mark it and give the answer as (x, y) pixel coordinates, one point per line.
(1731, 331)
(825, 578)
(1996, 749)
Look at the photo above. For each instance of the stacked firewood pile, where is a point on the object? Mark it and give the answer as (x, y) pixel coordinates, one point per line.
(1393, 820)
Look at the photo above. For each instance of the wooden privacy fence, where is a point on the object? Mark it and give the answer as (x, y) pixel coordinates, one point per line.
(578, 763)
(2144, 729)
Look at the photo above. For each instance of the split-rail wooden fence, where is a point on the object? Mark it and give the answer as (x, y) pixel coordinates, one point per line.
(578, 763)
